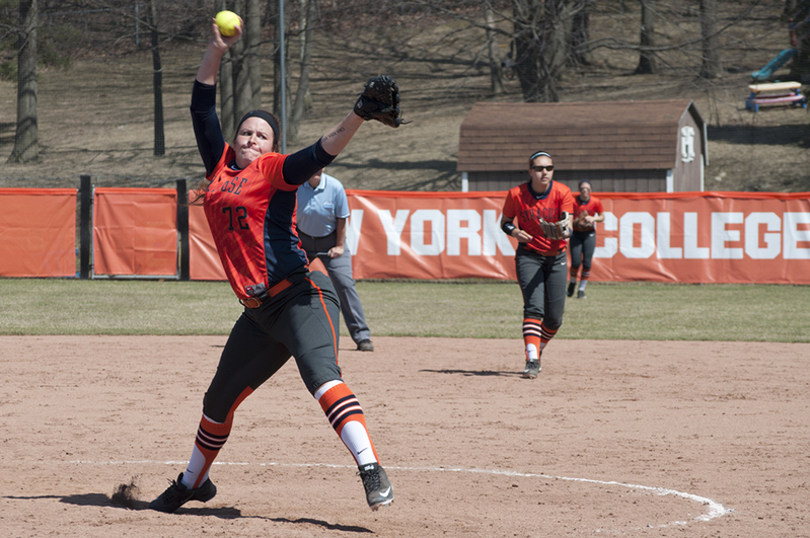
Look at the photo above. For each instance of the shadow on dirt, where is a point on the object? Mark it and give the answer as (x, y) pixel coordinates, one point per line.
(100, 499)
(477, 373)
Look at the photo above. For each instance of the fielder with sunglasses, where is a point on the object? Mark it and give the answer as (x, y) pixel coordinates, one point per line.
(540, 260)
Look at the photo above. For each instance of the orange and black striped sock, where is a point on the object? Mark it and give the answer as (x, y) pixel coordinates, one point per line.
(531, 338)
(343, 411)
(211, 436)
(546, 334)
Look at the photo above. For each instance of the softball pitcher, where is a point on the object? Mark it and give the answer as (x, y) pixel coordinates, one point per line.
(250, 204)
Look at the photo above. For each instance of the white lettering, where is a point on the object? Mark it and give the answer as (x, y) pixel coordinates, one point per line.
(393, 229)
(627, 234)
(611, 224)
(664, 233)
(436, 220)
(353, 230)
(456, 231)
(691, 250)
(494, 238)
(772, 224)
(721, 236)
(793, 236)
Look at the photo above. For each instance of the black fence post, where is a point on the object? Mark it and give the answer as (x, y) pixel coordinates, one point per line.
(182, 228)
(85, 225)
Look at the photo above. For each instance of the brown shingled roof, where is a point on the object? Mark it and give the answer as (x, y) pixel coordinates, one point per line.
(623, 135)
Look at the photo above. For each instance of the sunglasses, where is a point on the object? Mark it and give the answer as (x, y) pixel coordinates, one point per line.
(541, 168)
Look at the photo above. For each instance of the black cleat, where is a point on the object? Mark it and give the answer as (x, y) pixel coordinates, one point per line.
(532, 369)
(571, 286)
(581, 294)
(378, 488)
(176, 495)
(365, 345)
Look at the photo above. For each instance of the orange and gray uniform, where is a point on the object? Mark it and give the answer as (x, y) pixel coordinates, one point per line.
(541, 263)
(583, 239)
(289, 311)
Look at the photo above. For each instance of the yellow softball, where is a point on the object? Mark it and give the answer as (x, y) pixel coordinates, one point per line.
(227, 22)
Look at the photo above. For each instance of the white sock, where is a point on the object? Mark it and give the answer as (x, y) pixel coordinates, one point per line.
(355, 437)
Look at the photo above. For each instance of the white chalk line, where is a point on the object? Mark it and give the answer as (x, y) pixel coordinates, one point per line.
(713, 511)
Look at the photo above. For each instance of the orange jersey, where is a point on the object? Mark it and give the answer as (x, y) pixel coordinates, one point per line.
(251, 213)
(590, 208)
(522, 203)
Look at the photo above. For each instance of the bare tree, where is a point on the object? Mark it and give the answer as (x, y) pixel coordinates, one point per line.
(495, 67)
(580, 34)
(308, 13)
(646, 60)
(278, 77)
(800, 28)
(157, 82)
(26, 139)
(790, 9)
(253, 26)
(240, 70)
(542, 30)
(710, 67)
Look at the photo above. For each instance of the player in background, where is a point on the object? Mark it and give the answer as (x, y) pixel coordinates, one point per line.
(540, 262)
(250, 204)
(587, 212)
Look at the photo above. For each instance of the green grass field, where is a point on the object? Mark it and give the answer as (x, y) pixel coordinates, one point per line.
(632, 311)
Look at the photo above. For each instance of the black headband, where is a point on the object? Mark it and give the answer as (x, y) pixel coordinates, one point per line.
(266, 116)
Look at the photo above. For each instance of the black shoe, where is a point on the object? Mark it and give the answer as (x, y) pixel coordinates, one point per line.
(176, 495)
(365, 345)
(571, 286)
(532, 369)
(581, 294)
(378, 488)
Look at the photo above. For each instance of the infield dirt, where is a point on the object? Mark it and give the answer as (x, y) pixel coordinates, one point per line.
(615, 438)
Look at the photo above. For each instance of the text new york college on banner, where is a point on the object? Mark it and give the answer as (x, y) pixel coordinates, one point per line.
(690, 238)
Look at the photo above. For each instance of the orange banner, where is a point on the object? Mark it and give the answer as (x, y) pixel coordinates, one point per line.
(705, 238)
(38, 232)
(135, 232)
(685, 237)
(428, 235)
(204, 263)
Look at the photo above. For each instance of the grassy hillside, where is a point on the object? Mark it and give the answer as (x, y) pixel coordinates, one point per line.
(95, 117)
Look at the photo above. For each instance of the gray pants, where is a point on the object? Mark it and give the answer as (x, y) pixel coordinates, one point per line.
(542, 280)
(340, 272)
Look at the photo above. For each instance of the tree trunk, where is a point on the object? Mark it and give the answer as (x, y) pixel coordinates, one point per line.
(242, 90)
(253, 25)
(495, 69)
(226, 100)
(800, 66)
(710, 67)
(646, 61)
(297, 112)
(542, 30)
(278, 77)
(26, 138)
(580, 34)
(157, 83)
(790, 9)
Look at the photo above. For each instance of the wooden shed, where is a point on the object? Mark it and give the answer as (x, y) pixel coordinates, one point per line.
(619, 146)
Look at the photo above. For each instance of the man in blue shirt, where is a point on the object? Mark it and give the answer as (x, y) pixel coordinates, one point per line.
(323, 212)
